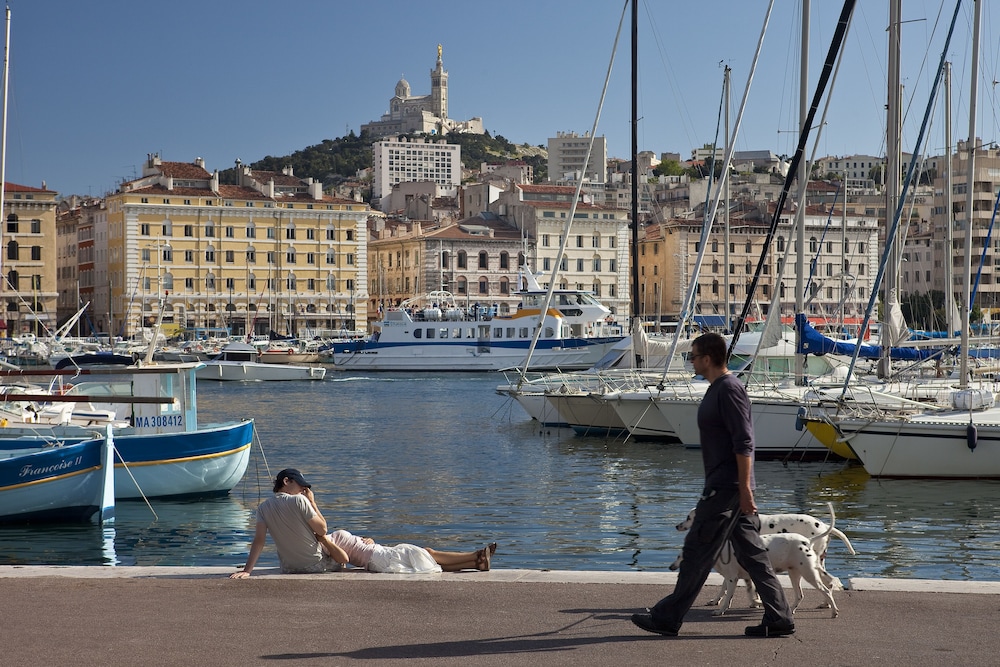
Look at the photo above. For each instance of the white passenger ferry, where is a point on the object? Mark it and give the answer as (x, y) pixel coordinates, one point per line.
(435, 333)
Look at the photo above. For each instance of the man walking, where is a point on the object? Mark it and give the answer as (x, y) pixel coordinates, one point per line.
(726, 510)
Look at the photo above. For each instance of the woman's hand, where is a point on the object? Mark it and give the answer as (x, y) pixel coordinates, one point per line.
(242, 574)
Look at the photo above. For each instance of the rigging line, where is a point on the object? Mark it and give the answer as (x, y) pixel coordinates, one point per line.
(986, 247)
(819, 250)
(688, 303)
(677, 96)
(835, 46)
(890, 237)
(544, 306)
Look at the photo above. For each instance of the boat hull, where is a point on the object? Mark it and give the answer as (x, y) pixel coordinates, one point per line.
(450, 355)
(205, 462)
(56, 484)
(234, 371)
(925, 449)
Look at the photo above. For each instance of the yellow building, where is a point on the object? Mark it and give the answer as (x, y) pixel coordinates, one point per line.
(270, 253)
(29, 260)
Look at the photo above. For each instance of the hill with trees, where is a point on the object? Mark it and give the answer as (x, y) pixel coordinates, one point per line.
(336, 160)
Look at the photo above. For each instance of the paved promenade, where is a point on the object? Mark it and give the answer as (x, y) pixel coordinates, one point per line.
(197, 616)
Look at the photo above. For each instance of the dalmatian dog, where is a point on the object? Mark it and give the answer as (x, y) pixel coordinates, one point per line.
(796, 554)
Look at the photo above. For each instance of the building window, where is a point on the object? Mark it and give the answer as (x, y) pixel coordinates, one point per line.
(189, 284)
(545, 240)
(331, 257)
(210, 282)
(291, 283)
(188, 230)
(270, 232)
(230, 232)
(143, 229)
(596, 241)
(210, 230)
(579, 240)
(463, 260)
(350, 234)
(290, 256)
(167, 253)
(210, 254)
(290, 233)
(310, 258)
(251, 256)
(251, 232)
(504, 260)
(36, 226)
(12, 250)
(579, 265)
(597, 264)
(331, 235)
(311, 233)
(145, 254)
(350, 258)
(484, 260)
(484, 286)
(612, 266)
(189, 256)
(230, 256)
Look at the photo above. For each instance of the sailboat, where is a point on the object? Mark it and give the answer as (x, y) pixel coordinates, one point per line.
(959, 442)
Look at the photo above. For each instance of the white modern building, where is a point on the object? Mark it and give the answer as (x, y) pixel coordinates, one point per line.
(567, 158)
(402, 160)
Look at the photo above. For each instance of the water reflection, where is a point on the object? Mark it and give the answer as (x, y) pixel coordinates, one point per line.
(444, 461)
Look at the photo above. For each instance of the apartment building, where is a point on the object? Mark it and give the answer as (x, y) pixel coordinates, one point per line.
(840, 259)
(401, 160)
(271, 252)
(597, 248)
(29, 290)
(476, 259)
(568, 158)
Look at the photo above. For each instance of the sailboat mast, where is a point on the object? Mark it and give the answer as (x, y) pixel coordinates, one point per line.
(3, 118)
(892, 186)
(633, 250)
(949, 232)
(725, 219)
(970, 181)
(800, 266)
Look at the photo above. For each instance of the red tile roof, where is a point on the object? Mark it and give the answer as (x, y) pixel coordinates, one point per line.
(279, 178)
(184, 170)
(14, 187)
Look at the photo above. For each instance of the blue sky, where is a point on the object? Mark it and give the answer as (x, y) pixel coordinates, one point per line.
(95, 86)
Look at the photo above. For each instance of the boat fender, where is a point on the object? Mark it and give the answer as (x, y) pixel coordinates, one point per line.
(290, 350)
(971, 437)
(799, 425)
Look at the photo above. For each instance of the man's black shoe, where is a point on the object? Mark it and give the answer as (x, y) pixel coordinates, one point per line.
(645, 621)
(770, 630)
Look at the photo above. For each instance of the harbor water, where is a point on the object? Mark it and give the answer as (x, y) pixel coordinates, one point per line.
(444, 461)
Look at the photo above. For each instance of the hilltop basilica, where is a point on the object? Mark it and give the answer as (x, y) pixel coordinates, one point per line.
(421, 113)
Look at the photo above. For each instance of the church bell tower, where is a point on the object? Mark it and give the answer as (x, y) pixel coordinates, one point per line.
(439, 89)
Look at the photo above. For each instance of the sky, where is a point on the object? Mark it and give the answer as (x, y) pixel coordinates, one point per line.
(96, 86)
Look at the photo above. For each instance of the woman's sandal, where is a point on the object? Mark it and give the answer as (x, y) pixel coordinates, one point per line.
(483, 557)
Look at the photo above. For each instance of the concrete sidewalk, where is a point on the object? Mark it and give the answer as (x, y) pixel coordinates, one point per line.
(177, 615)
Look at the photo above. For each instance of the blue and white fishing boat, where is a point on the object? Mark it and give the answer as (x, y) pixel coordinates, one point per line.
(435, 333)
(70, 483)
(163, 450)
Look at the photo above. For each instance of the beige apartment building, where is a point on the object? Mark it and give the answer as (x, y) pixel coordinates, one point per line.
(269, 253)
(475, 259)
(840, 263)
(29, 237)
(985, 184)
(597, 249)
